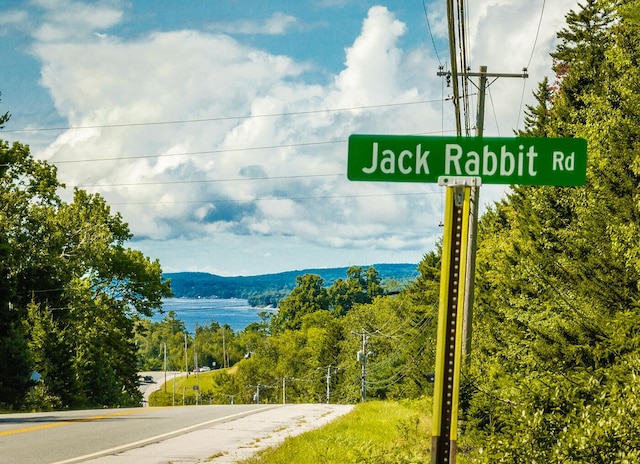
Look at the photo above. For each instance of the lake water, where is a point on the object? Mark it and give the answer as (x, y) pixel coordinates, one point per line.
(235, 312)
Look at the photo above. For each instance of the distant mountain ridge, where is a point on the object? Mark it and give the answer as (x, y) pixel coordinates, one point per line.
(205, 285)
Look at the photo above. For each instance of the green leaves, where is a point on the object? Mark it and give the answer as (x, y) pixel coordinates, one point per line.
(71, 291)
(556, 346)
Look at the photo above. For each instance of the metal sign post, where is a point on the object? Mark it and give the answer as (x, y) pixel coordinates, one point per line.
(450, 321)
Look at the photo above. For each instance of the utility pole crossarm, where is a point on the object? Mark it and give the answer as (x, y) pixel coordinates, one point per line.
(523, 74)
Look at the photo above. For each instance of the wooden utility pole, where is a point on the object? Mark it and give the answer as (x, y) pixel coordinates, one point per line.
(363, 359)
(361, 356)
(469, 284)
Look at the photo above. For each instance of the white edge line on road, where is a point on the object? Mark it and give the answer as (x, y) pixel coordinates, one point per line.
(146, 441)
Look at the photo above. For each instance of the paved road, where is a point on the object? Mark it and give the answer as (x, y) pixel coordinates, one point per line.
(174, 435)
(158, 382)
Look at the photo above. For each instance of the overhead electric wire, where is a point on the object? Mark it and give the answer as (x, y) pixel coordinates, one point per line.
(462, 35)
(493, 109)
(207, 181)
(209, 152)
(533, 49)
(454, 63)
(535, 40)
(251, 200)
(433, 42)
(197, 153)
(221, 118)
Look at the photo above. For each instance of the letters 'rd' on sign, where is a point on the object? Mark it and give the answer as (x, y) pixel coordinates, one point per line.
(496, 160)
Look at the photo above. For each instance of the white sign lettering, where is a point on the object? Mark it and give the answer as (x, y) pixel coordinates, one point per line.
(562, 162)
(389, 162)
(505, 163)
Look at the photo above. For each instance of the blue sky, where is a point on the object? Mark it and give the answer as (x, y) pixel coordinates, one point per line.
(218, 128)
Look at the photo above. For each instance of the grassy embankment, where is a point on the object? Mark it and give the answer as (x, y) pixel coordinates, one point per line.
(380, 432)
(182, 390)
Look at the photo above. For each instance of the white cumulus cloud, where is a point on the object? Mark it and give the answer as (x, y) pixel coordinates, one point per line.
(206, 143)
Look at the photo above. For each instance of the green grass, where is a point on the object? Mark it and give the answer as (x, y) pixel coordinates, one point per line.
(376, 432)
(206, 381)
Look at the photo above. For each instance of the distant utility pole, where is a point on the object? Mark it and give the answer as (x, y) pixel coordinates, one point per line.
(329, 381)
(186, 362)
(195, 364)
(195, 351)
(225, 358)
(362, 358)
(284, 390)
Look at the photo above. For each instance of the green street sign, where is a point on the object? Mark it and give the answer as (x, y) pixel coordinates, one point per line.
(496, 160)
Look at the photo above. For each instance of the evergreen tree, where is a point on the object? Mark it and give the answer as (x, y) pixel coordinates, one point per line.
(554, 341)
(537, 118)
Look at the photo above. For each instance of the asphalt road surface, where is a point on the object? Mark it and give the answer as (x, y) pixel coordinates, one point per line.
(157, 383)
(186, 434)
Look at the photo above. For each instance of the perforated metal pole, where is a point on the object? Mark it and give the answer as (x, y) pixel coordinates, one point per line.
(450, 317)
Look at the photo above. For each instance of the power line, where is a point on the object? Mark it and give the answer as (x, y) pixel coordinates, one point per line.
(462, 21)
(310, 197)
(535, 40)
(493, 108)
(221, 118)
(197, 153)
(533, 49)
(433, 42)
(207, 181)
(211, 152)
(454, 63)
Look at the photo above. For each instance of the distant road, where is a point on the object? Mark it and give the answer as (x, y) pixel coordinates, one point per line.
(77, 436)
(158, 381)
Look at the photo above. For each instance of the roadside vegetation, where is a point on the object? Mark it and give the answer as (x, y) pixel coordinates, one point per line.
(310, 348)
(197, 388)
(375, 432)
(71, 292)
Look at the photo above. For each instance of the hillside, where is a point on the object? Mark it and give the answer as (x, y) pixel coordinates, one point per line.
(205, 285)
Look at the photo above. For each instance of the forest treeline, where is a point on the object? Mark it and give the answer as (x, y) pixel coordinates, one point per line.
(317, 333)
(315, 343)
(268, 289)
(556, 345)
(553, 372)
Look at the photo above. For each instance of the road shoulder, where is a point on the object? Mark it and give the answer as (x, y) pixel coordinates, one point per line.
(230, 441)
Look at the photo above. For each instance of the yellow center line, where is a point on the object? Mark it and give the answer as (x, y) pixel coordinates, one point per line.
(76, 421)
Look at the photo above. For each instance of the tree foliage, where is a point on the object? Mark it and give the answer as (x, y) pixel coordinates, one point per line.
(310, 347)
(555, 354)
(71, 292)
